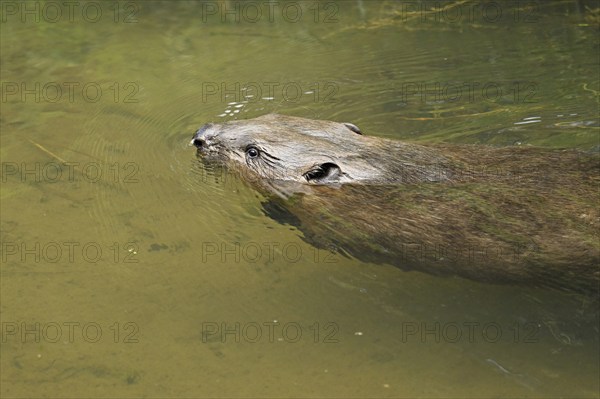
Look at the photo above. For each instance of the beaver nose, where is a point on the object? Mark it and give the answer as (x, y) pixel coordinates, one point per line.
(199, 139)
(199, 142)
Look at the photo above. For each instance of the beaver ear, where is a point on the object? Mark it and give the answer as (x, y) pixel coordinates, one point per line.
(327, 172)
(352, 127)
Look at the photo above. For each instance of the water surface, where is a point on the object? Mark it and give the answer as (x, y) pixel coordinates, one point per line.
(130, 271)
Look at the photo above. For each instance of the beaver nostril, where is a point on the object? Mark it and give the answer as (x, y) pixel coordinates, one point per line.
(199, 143)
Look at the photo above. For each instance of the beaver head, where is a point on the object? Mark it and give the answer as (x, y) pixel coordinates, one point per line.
(292, 149)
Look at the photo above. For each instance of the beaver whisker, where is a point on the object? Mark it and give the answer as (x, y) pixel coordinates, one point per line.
(271, 169)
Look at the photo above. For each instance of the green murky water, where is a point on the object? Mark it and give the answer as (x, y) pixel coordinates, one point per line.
(127, 273)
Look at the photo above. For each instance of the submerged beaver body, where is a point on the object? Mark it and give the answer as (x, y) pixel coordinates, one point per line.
(492, 214)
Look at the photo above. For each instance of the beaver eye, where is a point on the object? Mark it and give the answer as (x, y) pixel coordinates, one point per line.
(252, 152)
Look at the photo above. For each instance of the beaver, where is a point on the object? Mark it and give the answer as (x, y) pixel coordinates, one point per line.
(496, 214)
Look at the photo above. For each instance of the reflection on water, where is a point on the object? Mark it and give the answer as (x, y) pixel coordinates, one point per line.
(128, 271)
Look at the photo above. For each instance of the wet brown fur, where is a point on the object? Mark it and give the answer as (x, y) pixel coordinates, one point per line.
(513, 214)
